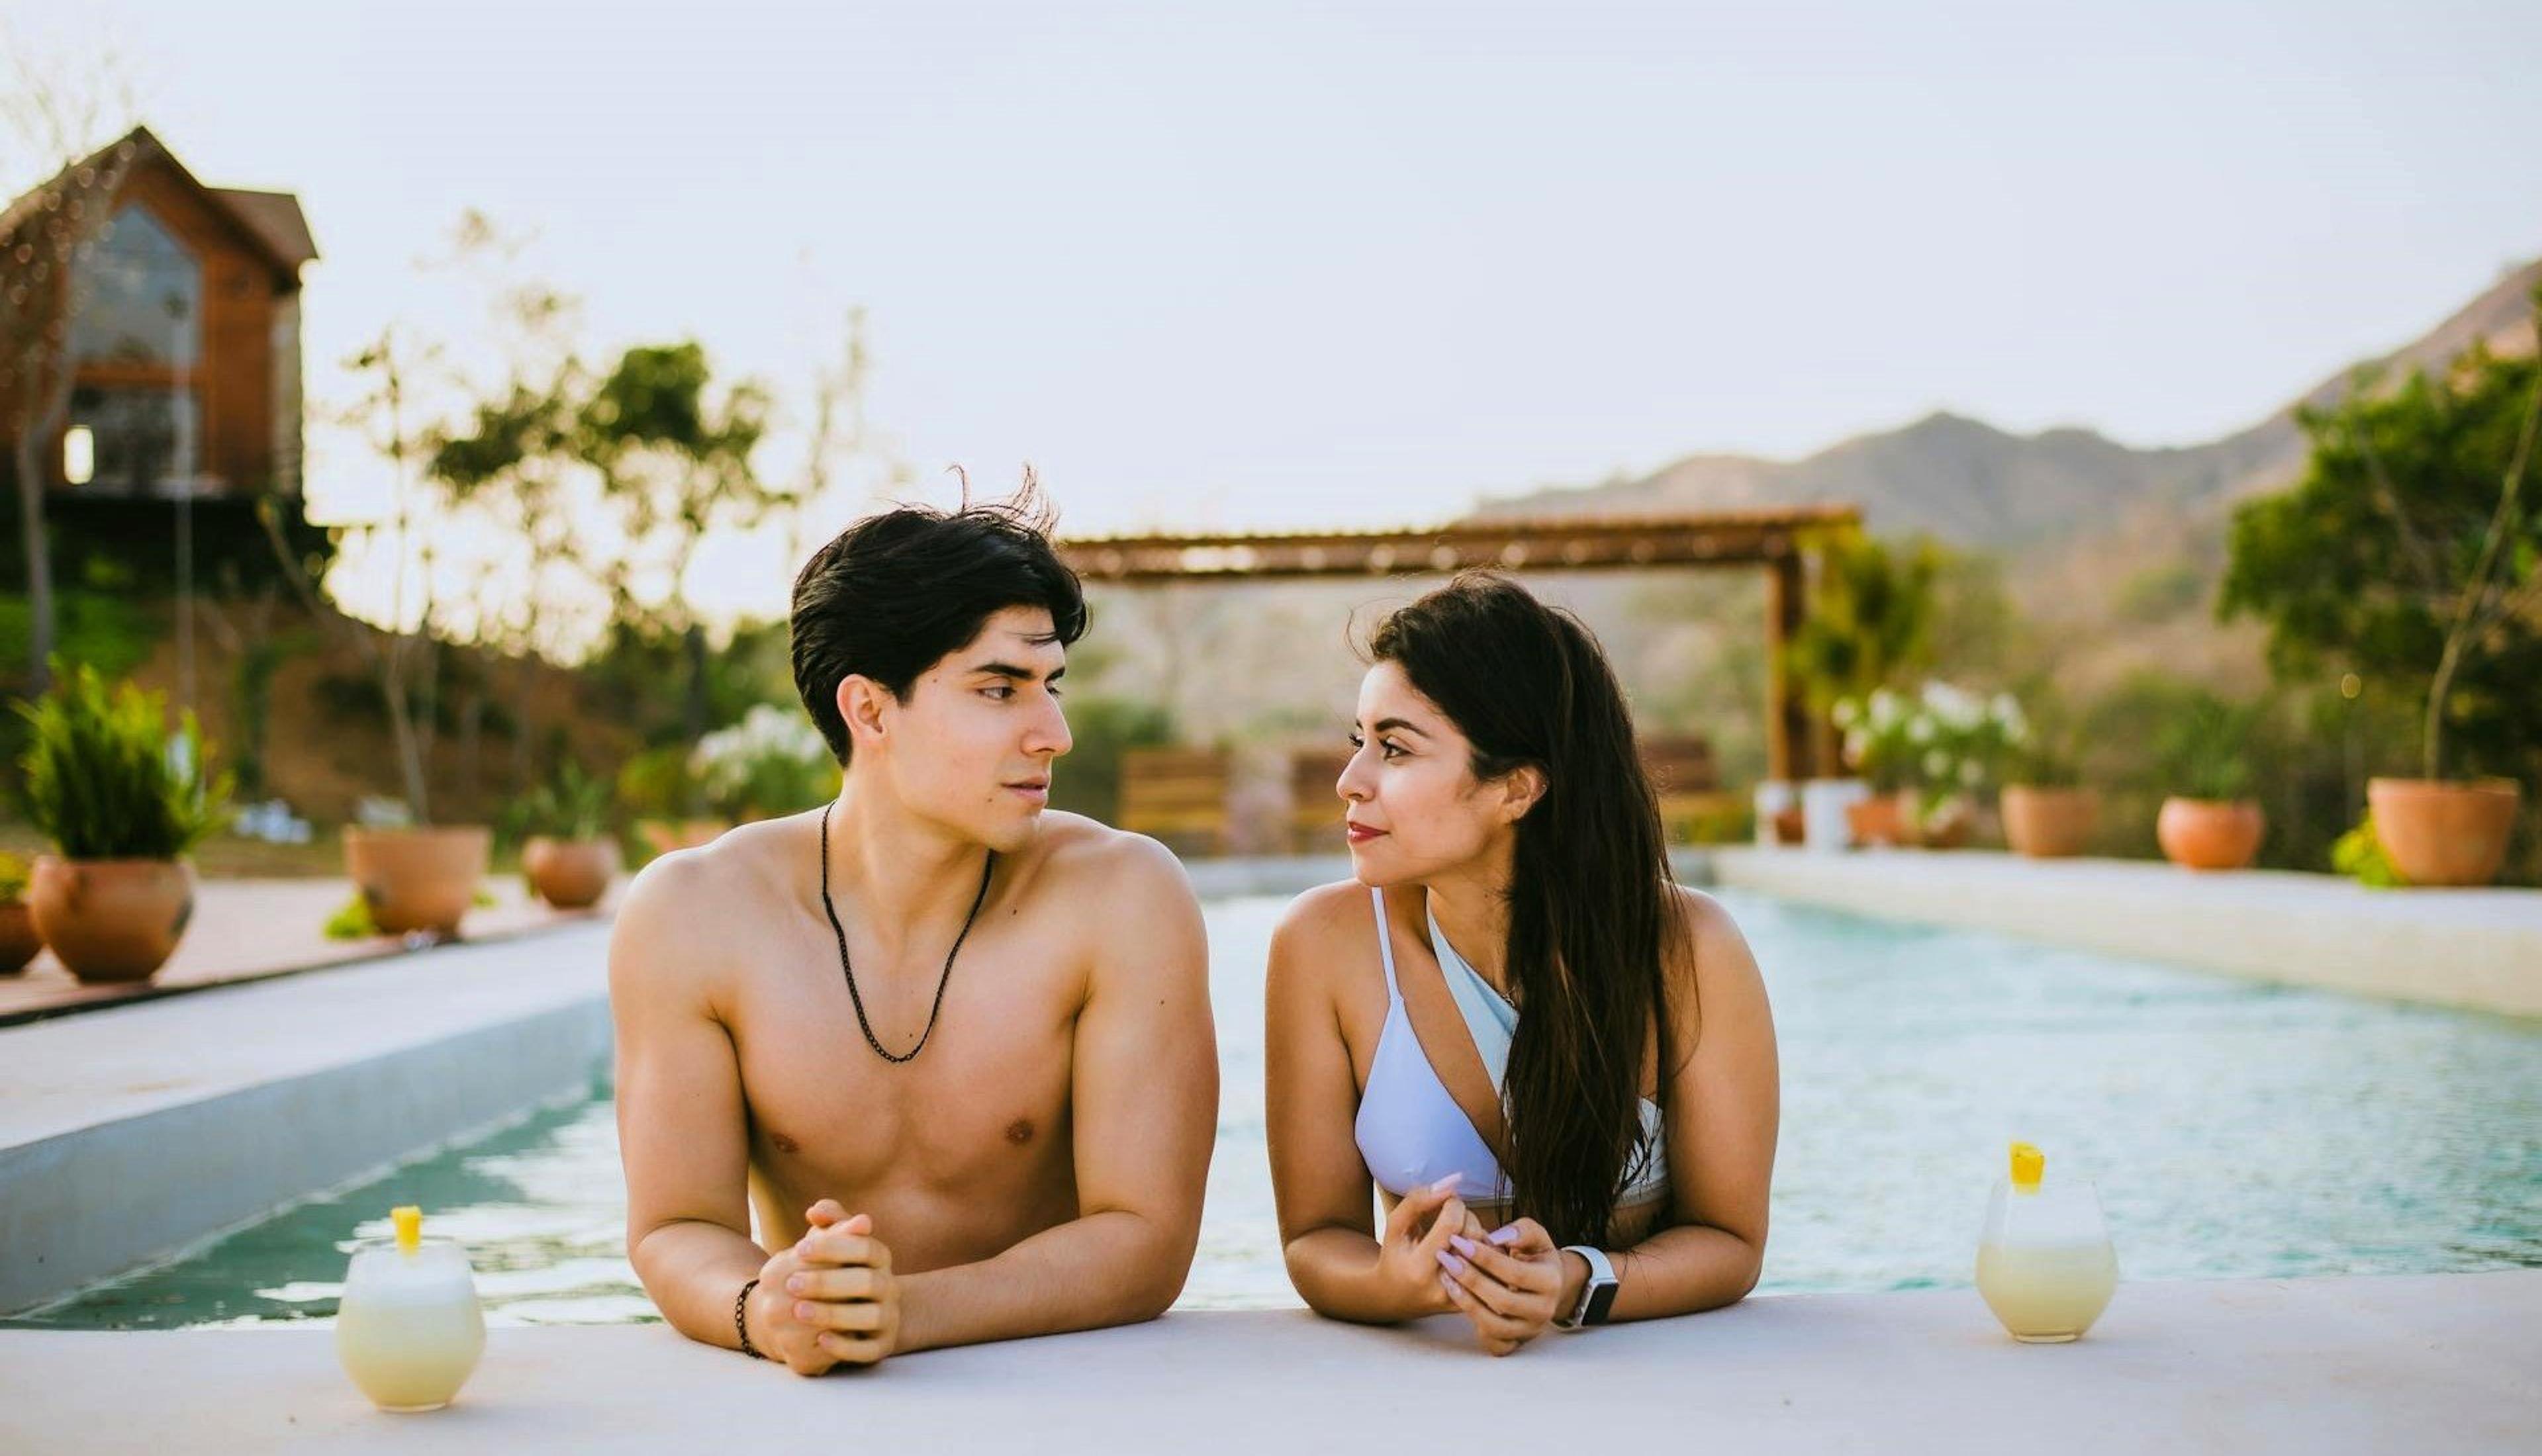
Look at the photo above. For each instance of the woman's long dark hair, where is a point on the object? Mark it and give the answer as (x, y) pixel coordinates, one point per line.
(1592, 918)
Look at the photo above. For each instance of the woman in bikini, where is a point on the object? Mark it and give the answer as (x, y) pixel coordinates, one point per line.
(1555, 1066)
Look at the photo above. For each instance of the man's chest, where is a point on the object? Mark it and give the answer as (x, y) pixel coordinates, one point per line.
(986, 1090)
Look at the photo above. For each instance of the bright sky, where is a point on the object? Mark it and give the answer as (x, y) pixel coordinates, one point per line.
(1229, 265)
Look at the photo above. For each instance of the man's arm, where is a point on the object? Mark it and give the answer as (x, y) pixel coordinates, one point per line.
(682, 1129)
(1144, 1111)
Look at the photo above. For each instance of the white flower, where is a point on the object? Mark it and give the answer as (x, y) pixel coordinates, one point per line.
(1970, 773)
(1846, 712)
(1921, 729)
(1953, 706)
(1937, 765)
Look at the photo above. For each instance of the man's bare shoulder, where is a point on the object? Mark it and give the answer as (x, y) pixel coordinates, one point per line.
(1076, 855)
(675, 921)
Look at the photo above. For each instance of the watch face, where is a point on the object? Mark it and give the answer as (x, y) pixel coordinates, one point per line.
(1600, 1299)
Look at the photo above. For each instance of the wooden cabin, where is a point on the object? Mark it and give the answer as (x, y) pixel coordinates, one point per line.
(183, 337)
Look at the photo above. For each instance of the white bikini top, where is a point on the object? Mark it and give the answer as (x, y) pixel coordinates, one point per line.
(1411, 1132)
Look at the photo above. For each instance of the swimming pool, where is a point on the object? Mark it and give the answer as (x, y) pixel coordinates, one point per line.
(2235, 1129)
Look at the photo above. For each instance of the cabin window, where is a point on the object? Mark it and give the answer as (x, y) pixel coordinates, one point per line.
(136, 344)
(142, 438)
(145, 298)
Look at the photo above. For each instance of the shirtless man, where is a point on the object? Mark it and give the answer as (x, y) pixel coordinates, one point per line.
(956, 1047)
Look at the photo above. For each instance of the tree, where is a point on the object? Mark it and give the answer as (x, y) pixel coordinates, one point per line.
(383, 408)
(50, 117)
(2407, 554)
(676, 461)
(515, 456)
(1870, 621)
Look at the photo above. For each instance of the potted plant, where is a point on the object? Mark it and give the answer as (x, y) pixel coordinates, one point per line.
(415, 877)
(1870, 624)
(772, 761)
(656, 789)
(122, 802)
(19, 941)
(2209, 821)
(2410, 552)
(1963, 740)
(2049, 812)
(567, 854)
(1877, 745)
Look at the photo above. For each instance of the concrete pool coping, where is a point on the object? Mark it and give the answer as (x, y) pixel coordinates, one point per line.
(2437, 1362)
(255, 929)
(127, 1136)
(2474, 949)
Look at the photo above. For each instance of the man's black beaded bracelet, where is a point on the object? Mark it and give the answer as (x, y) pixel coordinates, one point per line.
(740, 1326)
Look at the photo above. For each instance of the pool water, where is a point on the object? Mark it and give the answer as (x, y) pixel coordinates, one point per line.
(2235, 1129)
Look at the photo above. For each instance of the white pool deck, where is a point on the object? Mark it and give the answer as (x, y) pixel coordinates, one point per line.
(131, 1133)
(2443, 1364)
(2477, 949)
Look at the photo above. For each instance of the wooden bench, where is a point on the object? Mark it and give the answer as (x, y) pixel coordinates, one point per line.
(1315, 808)
(1178, 796)
(1688, 782)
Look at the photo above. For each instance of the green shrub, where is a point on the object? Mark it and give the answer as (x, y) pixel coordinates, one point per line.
(352, 920)
(2204, 751)
(100, 782)
(573, 804)
(12, 877)
(2359, 854)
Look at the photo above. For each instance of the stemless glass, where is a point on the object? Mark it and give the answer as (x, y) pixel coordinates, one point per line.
(2044, 1261)
(408, 1329)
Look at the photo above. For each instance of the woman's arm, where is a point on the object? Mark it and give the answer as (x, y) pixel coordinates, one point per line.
(1724, 1114)
(1310, 1099)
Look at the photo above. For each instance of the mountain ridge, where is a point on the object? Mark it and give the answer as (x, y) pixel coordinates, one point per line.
(1972, 484)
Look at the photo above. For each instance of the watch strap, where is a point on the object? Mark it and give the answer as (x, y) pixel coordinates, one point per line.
(1592, 1309)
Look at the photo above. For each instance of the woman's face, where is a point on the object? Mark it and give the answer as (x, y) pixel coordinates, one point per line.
(1413, 806)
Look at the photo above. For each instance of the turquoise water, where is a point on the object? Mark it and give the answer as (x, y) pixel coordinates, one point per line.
(2234, 1129)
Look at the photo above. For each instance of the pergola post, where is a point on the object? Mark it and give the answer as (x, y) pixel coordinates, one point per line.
(1787, 713)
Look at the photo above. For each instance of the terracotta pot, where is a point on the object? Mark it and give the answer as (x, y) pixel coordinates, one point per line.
(1951, 825)
(111, 919)
(2049, 822)
(664, 835)
(2442, 833)
(417, 879)
(2210, 834)
(1876, 821)
(19, 939)
(569, 874)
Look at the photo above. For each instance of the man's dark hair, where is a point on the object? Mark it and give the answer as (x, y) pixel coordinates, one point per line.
(890, 595)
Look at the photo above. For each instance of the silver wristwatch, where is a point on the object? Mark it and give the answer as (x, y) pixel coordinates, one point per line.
(1596, 1296)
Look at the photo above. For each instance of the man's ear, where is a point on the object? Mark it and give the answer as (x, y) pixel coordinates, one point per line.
(1519, 790)
(863, 705)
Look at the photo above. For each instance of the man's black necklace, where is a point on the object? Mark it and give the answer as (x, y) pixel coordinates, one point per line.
(946, 979)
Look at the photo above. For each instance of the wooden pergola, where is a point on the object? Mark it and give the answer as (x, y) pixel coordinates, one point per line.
(1784, 543)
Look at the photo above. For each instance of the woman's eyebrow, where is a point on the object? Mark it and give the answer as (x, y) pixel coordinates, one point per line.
(1390, 725)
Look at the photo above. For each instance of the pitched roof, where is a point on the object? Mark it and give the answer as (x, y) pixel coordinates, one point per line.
(275, 217)
(270, 220)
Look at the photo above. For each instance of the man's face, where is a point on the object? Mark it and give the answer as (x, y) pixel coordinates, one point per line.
(973, 745)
